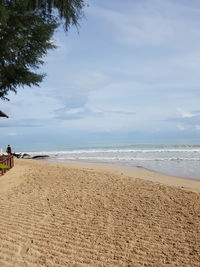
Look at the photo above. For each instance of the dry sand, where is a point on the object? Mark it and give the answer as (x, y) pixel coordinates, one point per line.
(54, 214)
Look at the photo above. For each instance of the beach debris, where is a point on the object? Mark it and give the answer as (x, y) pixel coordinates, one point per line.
(28, 156)
(17, 155)
(40, 156)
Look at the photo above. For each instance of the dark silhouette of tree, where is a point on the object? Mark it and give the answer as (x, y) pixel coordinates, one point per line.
(26, 28)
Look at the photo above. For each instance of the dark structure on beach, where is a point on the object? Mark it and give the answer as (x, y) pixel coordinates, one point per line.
(7, 160)
(3, 114)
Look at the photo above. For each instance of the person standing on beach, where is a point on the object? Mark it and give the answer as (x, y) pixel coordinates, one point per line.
(9, 150)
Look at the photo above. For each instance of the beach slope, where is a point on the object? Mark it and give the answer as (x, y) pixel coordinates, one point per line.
(54, 214)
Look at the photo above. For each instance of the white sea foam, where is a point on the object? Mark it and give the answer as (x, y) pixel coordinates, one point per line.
(126, 159)
(92, 151)
(174, 160)
(126, 154)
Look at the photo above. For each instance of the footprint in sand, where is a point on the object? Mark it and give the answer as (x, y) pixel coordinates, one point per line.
(24, 248)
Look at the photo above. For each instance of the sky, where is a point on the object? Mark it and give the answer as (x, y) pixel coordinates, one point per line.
(130, 74)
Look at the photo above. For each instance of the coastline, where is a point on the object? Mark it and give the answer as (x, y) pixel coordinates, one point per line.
(57, 214)
(171, 160)
(137, 172)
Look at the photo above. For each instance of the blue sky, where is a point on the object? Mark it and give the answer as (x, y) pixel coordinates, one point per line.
(132, 71)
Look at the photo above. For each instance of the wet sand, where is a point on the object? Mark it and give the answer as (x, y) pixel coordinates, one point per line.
(54, 214)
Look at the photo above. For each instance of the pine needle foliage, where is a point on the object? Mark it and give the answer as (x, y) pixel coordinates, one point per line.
(26, 29)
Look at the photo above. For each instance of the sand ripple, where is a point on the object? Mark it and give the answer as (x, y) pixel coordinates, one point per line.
(51, 215)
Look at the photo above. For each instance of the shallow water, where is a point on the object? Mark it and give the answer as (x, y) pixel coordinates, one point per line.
(176, 160)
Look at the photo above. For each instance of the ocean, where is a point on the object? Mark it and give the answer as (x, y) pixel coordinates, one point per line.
(174, 160)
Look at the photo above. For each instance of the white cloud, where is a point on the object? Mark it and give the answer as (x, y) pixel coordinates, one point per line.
(151, 22)
(132, 65)
(180, 127)
(185, 114)
(157, 130)
(74, 111)
(89, 80)
(12, 134)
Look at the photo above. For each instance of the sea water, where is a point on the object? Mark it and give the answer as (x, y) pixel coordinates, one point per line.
(174, 160)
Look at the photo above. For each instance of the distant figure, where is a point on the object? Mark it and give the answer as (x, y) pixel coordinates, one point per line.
(9, 150)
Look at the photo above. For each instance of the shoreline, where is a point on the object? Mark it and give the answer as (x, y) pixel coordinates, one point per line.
(172, 160)
(142, 173)
(167, 171)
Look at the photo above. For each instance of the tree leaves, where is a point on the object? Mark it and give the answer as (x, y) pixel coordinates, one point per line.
(26, 29)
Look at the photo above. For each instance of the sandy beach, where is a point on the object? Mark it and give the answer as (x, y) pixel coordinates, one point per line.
(56, 214)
